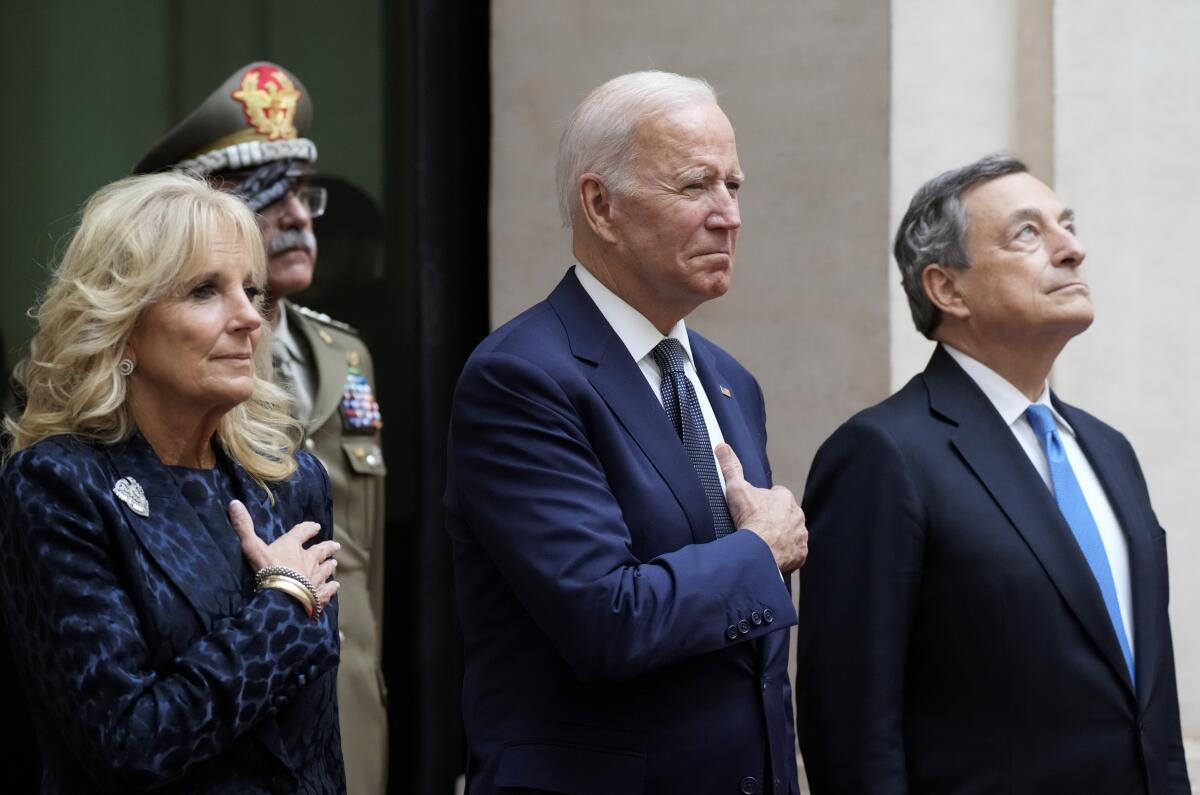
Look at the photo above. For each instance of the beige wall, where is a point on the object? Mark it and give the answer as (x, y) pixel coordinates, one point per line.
(842, 109)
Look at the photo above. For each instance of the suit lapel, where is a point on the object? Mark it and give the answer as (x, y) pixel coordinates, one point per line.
(1106, 462)
(172, 532)
(997, 459)
(619, 381)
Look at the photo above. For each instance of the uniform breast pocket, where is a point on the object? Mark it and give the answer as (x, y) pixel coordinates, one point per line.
(358, 494)
(364, 457)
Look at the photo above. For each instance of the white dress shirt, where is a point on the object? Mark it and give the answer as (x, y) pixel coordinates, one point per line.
(639, 337)
(1011, 404)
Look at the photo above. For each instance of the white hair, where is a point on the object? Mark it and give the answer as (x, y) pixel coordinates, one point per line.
(598, 136)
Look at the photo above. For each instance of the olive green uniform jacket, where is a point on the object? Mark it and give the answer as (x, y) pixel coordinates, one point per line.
(354, 460)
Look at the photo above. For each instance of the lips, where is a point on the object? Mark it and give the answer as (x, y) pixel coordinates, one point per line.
(1069, 286)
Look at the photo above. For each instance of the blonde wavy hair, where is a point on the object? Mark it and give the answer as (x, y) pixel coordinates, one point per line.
(138, 239)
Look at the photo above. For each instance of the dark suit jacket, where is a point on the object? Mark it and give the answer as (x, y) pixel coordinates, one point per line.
(953, 638)
(142, 670)
(601, 618)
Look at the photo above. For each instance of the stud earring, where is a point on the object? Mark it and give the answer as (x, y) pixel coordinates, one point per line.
(125, 367)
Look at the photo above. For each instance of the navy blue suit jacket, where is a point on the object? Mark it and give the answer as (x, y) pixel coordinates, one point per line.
(143, 671)
(952, 636)
(601, 618)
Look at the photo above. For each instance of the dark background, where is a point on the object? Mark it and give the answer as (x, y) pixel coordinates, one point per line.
(401, 96)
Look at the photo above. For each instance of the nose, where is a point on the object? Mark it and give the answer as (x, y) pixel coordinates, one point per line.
(725, 213)
(1070, 252)
(246, 319)
(294, 212)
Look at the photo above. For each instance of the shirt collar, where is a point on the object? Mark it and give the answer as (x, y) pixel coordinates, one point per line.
(633, 329)
(282, 334)
(1009, 401)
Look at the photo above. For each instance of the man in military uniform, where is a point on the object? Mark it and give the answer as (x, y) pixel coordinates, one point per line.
(250, 137)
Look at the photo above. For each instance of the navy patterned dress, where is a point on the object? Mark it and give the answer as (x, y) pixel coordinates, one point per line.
(148, 660)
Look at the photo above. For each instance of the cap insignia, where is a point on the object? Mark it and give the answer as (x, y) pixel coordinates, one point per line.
(269, 99)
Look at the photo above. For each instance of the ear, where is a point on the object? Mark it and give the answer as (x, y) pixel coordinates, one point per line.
(941, 285)
(596, 201)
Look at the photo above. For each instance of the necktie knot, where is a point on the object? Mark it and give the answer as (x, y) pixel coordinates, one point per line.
(668, 354)
(1041, 419)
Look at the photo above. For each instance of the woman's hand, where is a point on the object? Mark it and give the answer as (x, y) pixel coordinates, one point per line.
(317, 563)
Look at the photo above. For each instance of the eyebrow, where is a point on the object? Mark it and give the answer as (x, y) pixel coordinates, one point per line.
(706, 172)
(1033, 214)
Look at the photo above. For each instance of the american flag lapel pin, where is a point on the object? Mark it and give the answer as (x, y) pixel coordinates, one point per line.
(726, 391)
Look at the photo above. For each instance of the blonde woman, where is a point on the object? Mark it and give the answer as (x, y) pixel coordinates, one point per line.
(166, 563)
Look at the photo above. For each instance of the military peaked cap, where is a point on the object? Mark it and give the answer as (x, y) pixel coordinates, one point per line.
(260, 114)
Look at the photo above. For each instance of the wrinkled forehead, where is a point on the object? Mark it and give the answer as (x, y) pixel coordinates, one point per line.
(1007, 196)
(697, 131)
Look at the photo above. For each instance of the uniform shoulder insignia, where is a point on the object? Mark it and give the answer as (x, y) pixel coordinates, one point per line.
(321, 317)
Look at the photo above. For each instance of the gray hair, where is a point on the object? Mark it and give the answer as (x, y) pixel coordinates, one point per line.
(598, 136)
(934, 230)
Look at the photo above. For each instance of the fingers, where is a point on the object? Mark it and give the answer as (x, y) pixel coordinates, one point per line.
(325, 571)
(326, 591)
(325, 550)
(243, 525)
(731, 467)
(303, 532)
(239, 517)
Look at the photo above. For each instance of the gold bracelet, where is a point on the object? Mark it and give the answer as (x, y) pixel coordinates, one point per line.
(294, 589)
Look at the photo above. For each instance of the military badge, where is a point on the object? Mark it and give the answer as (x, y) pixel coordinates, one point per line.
(269, 100)
(360, 412)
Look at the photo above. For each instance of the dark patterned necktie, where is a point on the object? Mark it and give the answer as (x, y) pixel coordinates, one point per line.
(683, 409)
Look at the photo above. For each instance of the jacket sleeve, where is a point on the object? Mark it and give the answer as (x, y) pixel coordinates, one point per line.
(536, 497)
(76, 636)
(858, 591)
(1178, 782)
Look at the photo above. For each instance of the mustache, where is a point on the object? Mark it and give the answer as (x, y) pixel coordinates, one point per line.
(292, 238)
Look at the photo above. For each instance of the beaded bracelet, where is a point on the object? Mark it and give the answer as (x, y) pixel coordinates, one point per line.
(300, 579)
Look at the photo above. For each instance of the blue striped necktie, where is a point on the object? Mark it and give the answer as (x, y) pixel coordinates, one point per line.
(683, 409)
(1079, 518)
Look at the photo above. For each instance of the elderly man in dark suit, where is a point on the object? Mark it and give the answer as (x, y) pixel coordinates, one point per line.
(624, 614)
(986, 606)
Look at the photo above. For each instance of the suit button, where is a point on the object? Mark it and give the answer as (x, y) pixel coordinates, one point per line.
(313, 672)
(731, 633)
(300, 680)
(309, 445)
(272, 712)
(756, 617)
(743, 626)
(768, 615)
(764, 683)
(749, 785)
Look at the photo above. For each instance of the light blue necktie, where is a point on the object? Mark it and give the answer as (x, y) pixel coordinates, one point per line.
(1079, 517)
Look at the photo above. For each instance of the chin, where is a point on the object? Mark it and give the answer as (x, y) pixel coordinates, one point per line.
(287, 275)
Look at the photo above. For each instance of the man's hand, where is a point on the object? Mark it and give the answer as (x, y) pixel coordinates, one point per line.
(771, 513)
